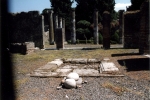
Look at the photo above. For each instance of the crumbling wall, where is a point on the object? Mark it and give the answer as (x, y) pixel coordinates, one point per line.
(144, 37)
(131, 29)
(26, 27)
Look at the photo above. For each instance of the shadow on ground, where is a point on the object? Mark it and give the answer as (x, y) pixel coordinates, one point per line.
(135, 64)
(124, 54)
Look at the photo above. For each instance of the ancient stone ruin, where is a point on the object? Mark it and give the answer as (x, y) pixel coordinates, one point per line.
(82, 66)
(136, 29)
(42, 29)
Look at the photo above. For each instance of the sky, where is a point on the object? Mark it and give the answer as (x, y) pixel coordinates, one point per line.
(17, 6)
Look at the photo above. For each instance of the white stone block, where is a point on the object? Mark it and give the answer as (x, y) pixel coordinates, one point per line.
(70, 83)
(57, 62)
(73, 75)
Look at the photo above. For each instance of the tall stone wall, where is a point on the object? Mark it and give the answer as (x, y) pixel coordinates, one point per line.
(144, 44)
(26, 27)
(131, 29)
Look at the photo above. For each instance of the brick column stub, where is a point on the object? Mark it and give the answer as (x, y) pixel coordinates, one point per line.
(60, 38)
(106, 29)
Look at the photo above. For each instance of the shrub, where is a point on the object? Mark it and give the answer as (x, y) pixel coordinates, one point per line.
(100, 38)
(115, 37)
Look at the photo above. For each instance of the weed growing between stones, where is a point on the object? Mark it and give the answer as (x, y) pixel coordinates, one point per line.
(115, 88)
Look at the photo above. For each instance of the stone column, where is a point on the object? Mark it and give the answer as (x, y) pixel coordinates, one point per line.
(59, 38)
(56, 21)
(106, 29)
(63, 26)
(96, 35)
(60, 22)
(123, 29)
(51, 28)
(43, 32)
(56, 25)
(121, 25)
(73, 33)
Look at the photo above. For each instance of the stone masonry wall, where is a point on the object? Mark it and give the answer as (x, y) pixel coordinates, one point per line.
(144, 44)
(26, 27)
(131, 29)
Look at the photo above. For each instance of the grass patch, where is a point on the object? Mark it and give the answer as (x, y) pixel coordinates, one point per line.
(115, 88)
(20, 82)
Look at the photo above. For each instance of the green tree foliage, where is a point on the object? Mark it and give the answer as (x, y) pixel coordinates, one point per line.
(135, 5)
(85, 8)
(61, 7)
(45, 11)
(115, 37)
(100, 38)
(83, 31)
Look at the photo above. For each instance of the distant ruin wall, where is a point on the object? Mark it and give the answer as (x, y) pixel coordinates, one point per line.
(144, 44)
(131, 29)
(26, 27)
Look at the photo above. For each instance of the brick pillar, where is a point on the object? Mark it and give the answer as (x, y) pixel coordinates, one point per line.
(96, 35)
(144, 43)
(51, 28)
(121, 25)
(106, 29)
(59, 38)
(73, 33)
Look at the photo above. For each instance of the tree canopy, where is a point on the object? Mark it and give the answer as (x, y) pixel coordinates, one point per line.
(85, 8)
(135, 4)
(61, 7)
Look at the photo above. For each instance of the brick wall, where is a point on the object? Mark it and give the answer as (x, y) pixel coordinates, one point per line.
(144, 44)
(131, 29)
(25, 27)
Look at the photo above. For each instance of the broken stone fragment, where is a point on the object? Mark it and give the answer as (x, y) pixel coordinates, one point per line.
(85, 81)
(57, 62)
(73, 75)
(79, 86)
(59, 87)
(70, 83)
(62, 81)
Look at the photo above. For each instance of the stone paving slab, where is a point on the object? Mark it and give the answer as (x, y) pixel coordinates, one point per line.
(79, 61)
(63, 72)
(69, 67)
(58, 68)
(94, 61)
(87, 72)
(108, 66)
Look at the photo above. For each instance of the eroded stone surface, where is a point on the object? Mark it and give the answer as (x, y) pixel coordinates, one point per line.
(93, 61)
(108, 66)
(79, 61)
(57, 68)
(87, 72)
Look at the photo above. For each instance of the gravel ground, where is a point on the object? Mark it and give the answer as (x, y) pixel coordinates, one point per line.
(135, 85)
(97, 88)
